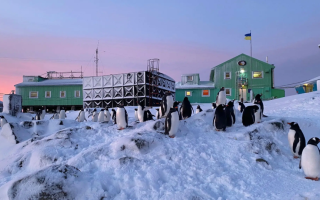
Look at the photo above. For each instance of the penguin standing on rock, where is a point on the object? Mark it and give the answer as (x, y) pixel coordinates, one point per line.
(230, 116)
(186, 109)
(296, 140)
(219, 119)
(114, 116)
(258, 100)
(310, 159)
(81, 116)
(248, 116)
(198, 109)
(221, 97)
(172, 121)
(3, 121)
(122, 118)
(167, 103)
(106, 115)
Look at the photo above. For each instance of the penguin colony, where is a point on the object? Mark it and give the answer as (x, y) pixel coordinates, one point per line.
(224, 116)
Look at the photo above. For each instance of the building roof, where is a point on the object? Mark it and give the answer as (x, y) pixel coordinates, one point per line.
(51, 82)
(202, 84)
(309, 81)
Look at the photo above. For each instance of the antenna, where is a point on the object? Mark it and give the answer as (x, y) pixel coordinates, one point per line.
(97, 59)
(267, 59)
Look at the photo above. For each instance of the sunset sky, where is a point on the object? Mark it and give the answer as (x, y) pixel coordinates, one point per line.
(187, 36)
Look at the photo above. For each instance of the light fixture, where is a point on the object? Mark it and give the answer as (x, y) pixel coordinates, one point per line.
(242, 70)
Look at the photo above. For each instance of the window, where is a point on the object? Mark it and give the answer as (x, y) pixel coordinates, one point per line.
(227, 75)
(189, 78)
(62, 94)
(228, 91)
(188, 93)
(206, 93)
(47, 94)
(33, 94)
(257, 74)
(77, 93)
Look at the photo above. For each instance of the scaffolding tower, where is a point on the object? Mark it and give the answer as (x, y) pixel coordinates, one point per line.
(153, 69)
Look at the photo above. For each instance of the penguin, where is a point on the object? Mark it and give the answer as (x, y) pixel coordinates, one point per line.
(101, 116)
(241, 107)
(198, 109)
(107, 115)
(94, 115)
(157, 114)
(142, 115)
(258, 100)
(43, 114)
(136, 114)
(186, 109)
(38, 115)
(149, 115)
(230, 116)
(81, 116)
(62, 114)
(56, 115)
(248, 116)
(219, 119)
(3, 121)
(160, 110)
(221, 97)
(172, 121)
(296, 139)
(310, 159)
(167, 103)
(258, 115)
(114, 116)
(214, 105)
(122, 118)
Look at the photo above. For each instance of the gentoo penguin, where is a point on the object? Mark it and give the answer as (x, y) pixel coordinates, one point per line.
(258, 115)
(142, 112)
(230, 116)
(56, 115)
(198, 109)
(167, 103)
(43, 114)
(136, 114)
(101, 116)
(62, 114)
(248, 116)
(214, 105)
(310, 159)
(296, 140)
(241, 107)
(221, 97)
(219, 119)
(160, 110)
(122, 117)
(258, 100)
(172, 121)
(114, 116)
(94, 115)
(3, 121)
(157, 114)
(81, 116)
(38, 115)
(186, 108)
(107, 115)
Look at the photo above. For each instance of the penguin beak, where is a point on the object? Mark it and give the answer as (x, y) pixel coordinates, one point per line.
(289, 123)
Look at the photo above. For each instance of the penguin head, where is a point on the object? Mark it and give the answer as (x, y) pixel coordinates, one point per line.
(157, 109)
(230, 103)
(214, 105)
(314, 141)
(255, 108)
(102, 109)
(1, 117)
(81, 109)
(175, 104)
(94, 110)
(135, 109)
(106, 108)
(121, 106)
(222, 89)
(185, 99)
(198, 107)
(294, 125)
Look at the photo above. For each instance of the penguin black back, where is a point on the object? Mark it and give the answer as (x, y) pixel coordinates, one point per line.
(248, 117)
(258, 100)
(186, 108)
(242, 106)
(219, 119)
(230, 116)
(298, 137)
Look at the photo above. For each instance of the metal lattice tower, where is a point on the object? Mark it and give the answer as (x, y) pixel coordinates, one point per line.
(153, 69)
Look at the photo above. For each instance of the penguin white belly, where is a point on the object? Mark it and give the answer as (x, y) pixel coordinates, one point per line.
(157, 115)
(106, 116)
(101, 117)
(257, 115)
(140, 114)
(43, 114)
(174, 124)
(310, 161)
(95, 117)
(62, 114)
(239, 108)
(221, 98)
(169, 104)
(136, 115)
(291, 135)
(81, 117)
(121, 118)
(197, 111)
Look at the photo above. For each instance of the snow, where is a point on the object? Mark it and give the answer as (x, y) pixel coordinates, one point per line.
(92, 160)
(311, 80)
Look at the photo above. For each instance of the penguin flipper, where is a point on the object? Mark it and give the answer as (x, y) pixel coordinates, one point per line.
(126, 115)
(234, 117)
(300, 162)
(295, 143)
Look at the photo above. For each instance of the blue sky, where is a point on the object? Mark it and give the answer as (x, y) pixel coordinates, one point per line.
(130, 32)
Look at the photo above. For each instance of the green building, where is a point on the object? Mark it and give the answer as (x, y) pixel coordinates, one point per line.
(239, 76)
(38, 92)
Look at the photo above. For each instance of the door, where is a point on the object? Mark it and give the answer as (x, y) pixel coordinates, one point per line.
(243, 94)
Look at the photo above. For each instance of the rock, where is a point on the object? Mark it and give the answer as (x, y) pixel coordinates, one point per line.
(140, 143)
(126, 160)
(261, 160)
(159, 125)
(278, 125)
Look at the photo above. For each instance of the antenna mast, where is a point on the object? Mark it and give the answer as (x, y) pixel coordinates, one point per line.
(97, 59)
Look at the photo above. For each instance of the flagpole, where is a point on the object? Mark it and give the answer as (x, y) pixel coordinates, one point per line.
(250, 44)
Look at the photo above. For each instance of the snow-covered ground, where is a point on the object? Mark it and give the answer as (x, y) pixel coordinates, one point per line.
(93, 160)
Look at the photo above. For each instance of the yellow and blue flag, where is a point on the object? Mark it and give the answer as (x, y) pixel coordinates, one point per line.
(247, 36)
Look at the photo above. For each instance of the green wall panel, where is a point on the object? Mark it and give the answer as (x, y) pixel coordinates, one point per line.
(196, 95)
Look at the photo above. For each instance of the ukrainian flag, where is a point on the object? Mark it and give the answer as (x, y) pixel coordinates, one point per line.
(247, 36)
